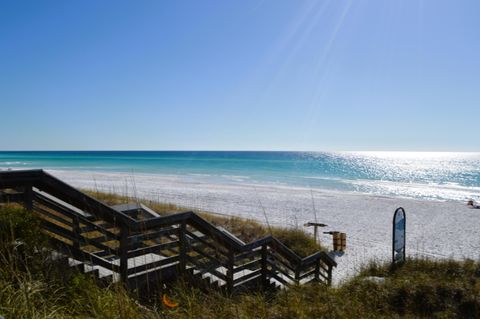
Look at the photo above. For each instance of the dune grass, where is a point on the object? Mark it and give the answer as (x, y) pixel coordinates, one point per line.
(34, 286)
(246, 229)
(421, 288)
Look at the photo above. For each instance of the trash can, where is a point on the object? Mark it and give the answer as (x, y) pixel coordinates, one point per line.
(336, 240)
(339, 241)
(343, 239)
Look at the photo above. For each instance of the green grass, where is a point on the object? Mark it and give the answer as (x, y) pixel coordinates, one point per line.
(33, 286)
(419, 289)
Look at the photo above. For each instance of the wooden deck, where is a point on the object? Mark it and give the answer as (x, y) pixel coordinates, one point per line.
(133, 244)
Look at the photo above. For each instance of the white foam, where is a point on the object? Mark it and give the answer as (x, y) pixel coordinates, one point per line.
(433, 191)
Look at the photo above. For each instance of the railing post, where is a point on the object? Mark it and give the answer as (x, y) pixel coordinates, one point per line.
(317, 270)
(183, 247)
(28, 197)
(76, 232)
(231, 263)
(329, 280)
(264, 267)
(297, 273)
(124, 247)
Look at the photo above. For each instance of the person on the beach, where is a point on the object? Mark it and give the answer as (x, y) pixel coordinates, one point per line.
(471, 204)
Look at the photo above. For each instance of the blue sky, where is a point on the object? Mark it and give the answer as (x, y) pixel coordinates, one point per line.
(243, 75)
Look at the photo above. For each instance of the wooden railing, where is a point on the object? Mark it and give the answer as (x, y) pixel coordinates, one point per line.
(144, 249)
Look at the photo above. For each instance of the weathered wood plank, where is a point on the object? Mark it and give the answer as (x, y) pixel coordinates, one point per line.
(247, 277)
(153, 265)
(206, 243)
(153, 249)
(253, 264)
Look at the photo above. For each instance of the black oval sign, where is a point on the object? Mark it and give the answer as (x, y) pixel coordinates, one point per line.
(399, 226)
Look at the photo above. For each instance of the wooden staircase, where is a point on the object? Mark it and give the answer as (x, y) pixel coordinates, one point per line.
(133, 244)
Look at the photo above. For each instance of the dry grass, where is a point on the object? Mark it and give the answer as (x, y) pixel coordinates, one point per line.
(420, 289)
(245, 229)
(32, 286)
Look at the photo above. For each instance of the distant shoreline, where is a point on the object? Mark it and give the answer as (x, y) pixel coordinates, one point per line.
(129, 178)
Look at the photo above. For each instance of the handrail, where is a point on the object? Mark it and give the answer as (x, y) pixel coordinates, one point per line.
(44, 181)
(133, 236)
(212, 230)
(51, 204)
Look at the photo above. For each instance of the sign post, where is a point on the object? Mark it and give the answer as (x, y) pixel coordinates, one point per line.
(398, 242)
(315, 230)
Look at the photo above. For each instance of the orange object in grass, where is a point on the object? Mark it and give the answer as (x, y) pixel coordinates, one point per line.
(167, 302)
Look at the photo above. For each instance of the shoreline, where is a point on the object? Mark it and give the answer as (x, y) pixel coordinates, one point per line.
(434, 228)
(196, 179)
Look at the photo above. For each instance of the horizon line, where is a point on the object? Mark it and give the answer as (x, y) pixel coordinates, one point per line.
(236, 150)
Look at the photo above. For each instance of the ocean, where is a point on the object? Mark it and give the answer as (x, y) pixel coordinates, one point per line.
(421, 175)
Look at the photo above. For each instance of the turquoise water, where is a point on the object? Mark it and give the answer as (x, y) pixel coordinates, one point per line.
(441, 176)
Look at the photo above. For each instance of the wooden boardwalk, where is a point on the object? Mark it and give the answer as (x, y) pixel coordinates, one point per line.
(133, 244)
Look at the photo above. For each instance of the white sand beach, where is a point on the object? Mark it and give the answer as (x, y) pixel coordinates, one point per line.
(434, 229)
